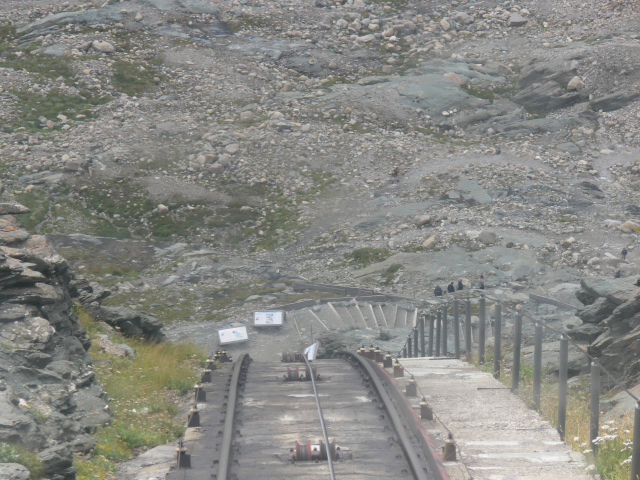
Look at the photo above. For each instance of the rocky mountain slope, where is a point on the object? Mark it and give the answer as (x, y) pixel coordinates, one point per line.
(195, 156)
(49, 399)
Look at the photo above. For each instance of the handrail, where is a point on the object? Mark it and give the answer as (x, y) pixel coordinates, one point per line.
(616, 382)
(587, 354)
(551, 301)
(322, 425)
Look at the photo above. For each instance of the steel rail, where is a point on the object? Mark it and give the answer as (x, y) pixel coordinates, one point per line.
(224, 462)
(405, 441)
(322, 424)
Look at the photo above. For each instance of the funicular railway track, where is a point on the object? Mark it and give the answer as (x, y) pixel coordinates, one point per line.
(260, 421)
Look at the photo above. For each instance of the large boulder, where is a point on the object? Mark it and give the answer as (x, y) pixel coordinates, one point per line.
(544, 86)
(58, 459)
(547, 96)
(597, 311)
(586, 333)
(613, 324)
(487, 237)
(14, 471)
(133, 323)
(620, 354)
(614, 101)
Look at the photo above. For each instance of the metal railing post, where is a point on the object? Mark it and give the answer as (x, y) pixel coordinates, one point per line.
(456, 326)
(404, 351)
(594, 405)
(409, 345)
(431, 321)
(467, 329)
(537, 366)
(497, 340)
(562, 387)
(635, 456)
(517, 342)
(421, 325)
(444, 329)
(438, 330)
(415, 342)
(481, 334)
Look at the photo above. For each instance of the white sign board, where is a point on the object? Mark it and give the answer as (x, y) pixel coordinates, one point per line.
(268, 319)
(232, 335)
(311, 351)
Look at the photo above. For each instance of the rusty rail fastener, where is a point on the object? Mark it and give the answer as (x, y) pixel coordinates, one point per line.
(211, 364)
(379, 357)
(388, 361)
(193, 419)
(411, 389)
(449, 450)
(206, 376)
(398, 371)
(182, 457)
(292, 374)
(425, 410)
(201, 394)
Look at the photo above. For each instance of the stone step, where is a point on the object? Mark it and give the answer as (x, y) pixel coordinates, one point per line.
(498, 436)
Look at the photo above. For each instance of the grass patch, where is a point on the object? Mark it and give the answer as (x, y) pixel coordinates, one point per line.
(390, 273)
(144, 393)
(189, 304)
(484, 93)
(249, 23)
(108, 269)
(10, 453)
(182, 222)
(7, 33)
(437, 135)
(132, 78)
(362, 257)
(329, 82)
(45, 67)
(33, 106)
(38, 202)
(297, 297)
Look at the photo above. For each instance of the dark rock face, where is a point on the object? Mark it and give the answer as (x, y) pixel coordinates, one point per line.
(543, 86)
(597, 311)
(613, 325)
(132, 323)
(45, 370)
(613, 101)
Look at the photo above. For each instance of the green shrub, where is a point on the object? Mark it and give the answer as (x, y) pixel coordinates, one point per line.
(388, 275)
(143, 393)
(94, 468)
(362, 257)
(10, 453)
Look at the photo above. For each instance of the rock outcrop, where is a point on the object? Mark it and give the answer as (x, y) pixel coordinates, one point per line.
(612, 324)
(49, 398)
